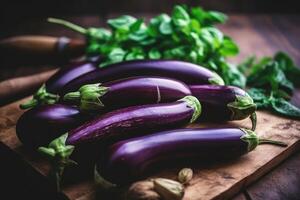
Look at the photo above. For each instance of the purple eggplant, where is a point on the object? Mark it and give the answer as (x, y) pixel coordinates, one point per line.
(41, 125)
(47, 94)
(127, 92)
(67, 74)
(121, 124)
(136, 120)
(183, 71)
(224, 103)
(132, 159)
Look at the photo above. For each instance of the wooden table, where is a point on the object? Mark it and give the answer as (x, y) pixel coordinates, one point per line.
(256, 35)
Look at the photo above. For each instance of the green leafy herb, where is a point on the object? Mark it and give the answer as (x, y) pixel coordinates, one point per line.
(190, 34)
(272, 81)
(187, 34)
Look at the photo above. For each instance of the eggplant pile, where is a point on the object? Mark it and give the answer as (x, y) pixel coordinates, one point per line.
(132, 109)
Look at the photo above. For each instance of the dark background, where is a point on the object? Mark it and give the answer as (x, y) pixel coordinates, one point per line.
(15, 12)
(45, 7)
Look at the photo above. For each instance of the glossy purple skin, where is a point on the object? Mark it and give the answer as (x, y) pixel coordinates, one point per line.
(142, 90)
(132, 159)
(214, 100)
(132, 121)
(40, 125)
(67, 74)
(183, 71)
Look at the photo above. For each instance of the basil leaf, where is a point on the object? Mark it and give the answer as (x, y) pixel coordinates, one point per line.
(257, 94)
(216, 17)
(259, 97)
(288, 66)
(123, 22)
(154, 54)
(100, 34)
(139, 35)
(270, 75)
(166, 28)
(228, 48)
(136, 25)
(116, 55)
(284, 107)
(207, 18)
(180, 17)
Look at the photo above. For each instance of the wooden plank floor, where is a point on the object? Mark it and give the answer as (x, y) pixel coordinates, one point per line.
(256, 35)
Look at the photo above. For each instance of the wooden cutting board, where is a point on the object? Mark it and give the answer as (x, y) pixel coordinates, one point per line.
(218, 180)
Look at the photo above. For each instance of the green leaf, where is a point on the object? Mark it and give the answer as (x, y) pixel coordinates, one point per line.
(228, 48)
(287, 65)
(269, 75)
(166, 28)
(154, 54)
(259, 97)
(135, 54)
(123, 22)
(139, 35)
(198, 14)
(195, 26)
(180, 17)
(178, 52)
(100, 34)
(207, 18)
(284, 107)
(116, 55)
(137, 25)
(216, 17)
(155, 23)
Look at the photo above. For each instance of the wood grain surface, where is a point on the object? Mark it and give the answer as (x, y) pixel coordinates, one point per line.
(256, 35)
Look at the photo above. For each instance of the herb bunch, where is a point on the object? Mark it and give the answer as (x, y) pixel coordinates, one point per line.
(186, 34)
(189, 34)
(271, 82)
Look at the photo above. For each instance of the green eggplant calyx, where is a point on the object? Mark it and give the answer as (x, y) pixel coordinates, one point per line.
(242, 107)
(194, 103)
(88, 97)
(216, 80)
(41, 97)
(58, 153)
(251, 138)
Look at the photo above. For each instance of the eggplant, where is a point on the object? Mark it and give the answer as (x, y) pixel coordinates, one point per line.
(67, 74)
(133, 159)
(186, 72)
(127, 92)
(41, 125)
(47, 94)
(137, 120)
(120, 124)
(224, 103)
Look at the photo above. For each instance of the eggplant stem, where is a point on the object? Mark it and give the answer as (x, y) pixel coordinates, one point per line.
(101, 182)
(29, 104)
(57, 181)
(267, 141)
(253, 119)
(58, 153)
(70, 25)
